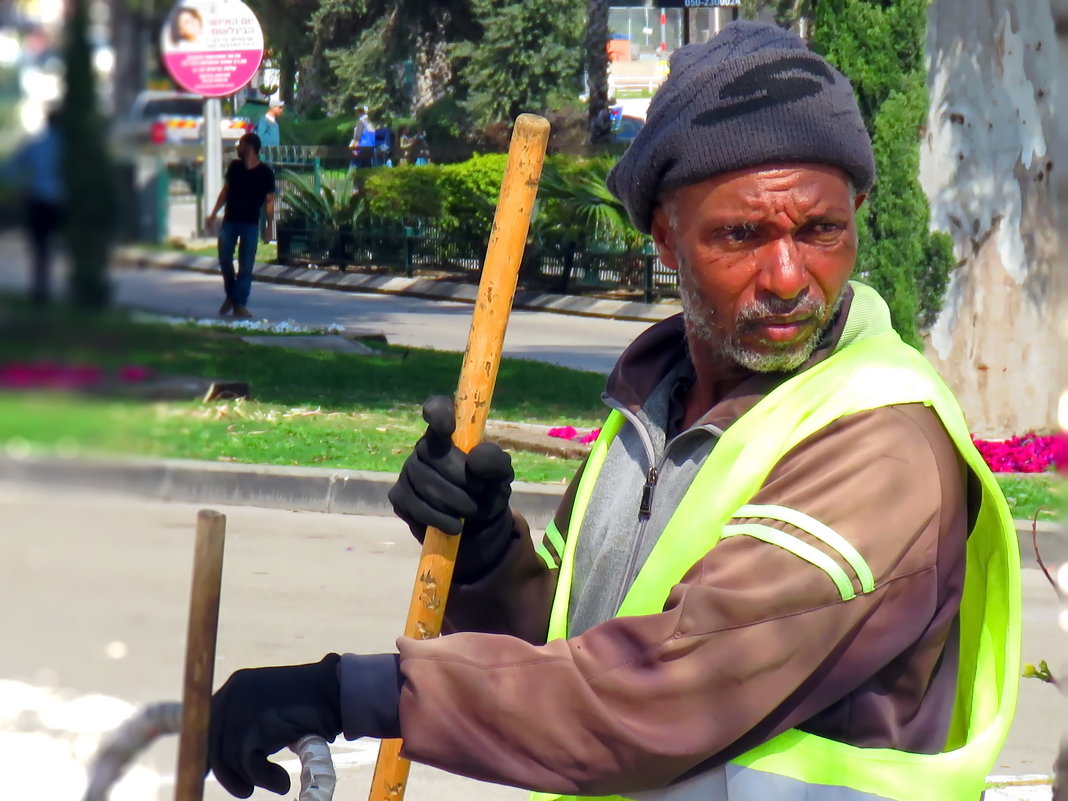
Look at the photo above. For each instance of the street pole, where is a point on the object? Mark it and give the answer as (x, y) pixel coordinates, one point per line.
(212, 154)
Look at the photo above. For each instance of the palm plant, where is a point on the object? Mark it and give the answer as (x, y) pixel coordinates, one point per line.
(331, 201)
(575, 213)
(326, 206)
(576, 206)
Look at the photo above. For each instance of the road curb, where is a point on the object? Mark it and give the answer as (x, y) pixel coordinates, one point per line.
(132, 256)
(309, 489)
(312, 489)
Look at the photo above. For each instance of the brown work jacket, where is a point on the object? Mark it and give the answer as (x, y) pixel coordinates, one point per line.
(752, 641)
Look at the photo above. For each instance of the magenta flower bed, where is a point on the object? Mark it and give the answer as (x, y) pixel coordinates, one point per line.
(570, 432)
(67, 377)
(1029, 453)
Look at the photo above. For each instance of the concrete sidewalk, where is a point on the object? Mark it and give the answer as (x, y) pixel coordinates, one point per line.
(434, 289)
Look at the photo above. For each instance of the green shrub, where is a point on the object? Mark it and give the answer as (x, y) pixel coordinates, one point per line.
(469, 192)
(404, 194)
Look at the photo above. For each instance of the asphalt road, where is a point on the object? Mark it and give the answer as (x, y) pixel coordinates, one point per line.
(584, 343)
(94, 592)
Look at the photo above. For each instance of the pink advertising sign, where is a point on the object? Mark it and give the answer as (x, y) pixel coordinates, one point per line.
(212, 47)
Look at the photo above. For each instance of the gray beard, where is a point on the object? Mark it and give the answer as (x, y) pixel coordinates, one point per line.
(701, 327)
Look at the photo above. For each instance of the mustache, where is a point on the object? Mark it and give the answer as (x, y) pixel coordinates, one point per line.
(803, 306)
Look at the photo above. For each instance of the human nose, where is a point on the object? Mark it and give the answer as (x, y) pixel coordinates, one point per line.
(783, 272)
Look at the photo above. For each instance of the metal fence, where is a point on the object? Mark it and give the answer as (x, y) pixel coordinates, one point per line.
(427, 250)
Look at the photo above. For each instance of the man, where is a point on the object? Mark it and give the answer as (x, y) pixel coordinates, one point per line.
(36, 169)
(755, 587)
(249, 186)
(267, 125)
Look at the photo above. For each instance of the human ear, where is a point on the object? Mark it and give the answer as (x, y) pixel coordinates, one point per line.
(664, 238)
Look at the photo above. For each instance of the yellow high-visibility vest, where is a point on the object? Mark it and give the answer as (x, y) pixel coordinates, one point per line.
(877, 371)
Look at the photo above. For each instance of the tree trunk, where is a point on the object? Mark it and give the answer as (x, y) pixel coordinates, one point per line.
(433, 70)
(128, 41)
(287, 69)
(88, 177)
(985, 164)
(309, 94)
(600, 124)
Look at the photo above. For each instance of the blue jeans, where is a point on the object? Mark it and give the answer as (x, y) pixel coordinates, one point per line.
(238, 286)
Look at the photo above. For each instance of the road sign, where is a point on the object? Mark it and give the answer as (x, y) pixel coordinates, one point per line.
(212, 47)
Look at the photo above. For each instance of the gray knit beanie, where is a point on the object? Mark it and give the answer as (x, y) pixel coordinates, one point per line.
(753, 94)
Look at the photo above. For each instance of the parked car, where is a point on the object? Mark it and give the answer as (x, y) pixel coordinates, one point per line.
(172, 118)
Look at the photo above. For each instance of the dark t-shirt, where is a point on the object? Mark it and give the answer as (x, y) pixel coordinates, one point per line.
(248, 189)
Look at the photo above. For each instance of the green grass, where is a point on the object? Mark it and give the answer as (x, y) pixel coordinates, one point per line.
(246, 432)
(313, 408)
(266, 252)
(1028, 496)
(310, 408)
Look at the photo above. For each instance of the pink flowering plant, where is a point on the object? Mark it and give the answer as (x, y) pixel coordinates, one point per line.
(47, 375)
(573, 434)
(1029, 453)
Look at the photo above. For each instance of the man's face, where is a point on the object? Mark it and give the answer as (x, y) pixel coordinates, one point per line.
(242, 147)
(762, 255)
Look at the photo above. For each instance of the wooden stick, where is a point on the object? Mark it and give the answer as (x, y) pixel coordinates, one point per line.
(500, 272)
(200, 655)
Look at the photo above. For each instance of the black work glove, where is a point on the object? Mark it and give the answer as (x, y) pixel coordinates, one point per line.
(260, 711)
(443, 487)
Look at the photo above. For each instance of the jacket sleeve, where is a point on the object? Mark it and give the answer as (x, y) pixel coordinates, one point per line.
(516, 597)
(752, 641)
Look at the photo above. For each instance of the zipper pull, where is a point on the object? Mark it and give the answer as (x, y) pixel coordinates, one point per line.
(647, 495)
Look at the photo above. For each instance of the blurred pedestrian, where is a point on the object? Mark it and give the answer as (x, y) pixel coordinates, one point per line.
(249, 186)
(406, 143)
(36, 169)
(363, 142)
(267, 126)
(413, 147)
(421, 150)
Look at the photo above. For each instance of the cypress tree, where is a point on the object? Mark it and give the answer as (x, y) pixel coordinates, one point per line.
(879, 45)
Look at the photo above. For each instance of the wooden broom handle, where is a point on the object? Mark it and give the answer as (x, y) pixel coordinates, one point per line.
(200, 655)
(500, 272)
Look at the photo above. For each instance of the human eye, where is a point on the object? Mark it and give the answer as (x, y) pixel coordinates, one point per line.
(823, 231)
(738, 234)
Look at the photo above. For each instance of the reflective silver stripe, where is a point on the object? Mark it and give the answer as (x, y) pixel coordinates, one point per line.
(736, 783)
(798, 547)
(821, 531)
